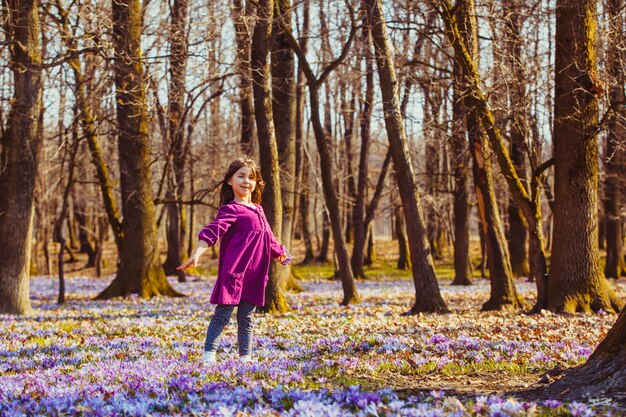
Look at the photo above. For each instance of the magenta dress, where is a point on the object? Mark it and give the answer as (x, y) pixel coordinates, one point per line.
(247, 247)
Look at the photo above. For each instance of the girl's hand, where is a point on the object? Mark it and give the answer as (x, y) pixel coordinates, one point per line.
(284, 259)
(193, 261)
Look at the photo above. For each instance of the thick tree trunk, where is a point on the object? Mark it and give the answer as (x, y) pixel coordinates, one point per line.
(140, 268)
(20, 147)
(604, 373)
(272, 200)
(175, 232)
(576, 282)
(615, 154)
(427, 295)
(460, 164)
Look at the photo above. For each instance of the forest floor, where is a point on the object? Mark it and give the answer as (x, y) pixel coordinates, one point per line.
(135, 357)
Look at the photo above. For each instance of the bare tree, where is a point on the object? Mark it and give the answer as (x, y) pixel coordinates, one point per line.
(272, 200)
(19, 153)
(140, 268)
(576, 281)
(350, 294)
(427, 295)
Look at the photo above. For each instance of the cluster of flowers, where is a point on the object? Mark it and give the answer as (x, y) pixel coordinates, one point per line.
(139, 357)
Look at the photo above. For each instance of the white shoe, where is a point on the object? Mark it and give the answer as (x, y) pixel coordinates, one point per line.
(245, 358)
(208, 357)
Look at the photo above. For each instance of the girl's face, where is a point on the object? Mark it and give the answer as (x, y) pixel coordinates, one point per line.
(243, 183)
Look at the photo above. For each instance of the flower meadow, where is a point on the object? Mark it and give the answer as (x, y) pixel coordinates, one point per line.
(135, 357)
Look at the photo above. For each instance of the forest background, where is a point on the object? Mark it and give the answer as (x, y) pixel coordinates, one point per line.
(436, 125)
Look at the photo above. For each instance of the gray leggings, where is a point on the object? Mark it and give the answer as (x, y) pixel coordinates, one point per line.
(221, 318)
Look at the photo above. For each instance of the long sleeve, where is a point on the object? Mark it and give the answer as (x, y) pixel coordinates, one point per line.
(276, 248)
(212, 232)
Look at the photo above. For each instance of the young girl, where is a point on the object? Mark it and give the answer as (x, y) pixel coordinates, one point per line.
(247, 244)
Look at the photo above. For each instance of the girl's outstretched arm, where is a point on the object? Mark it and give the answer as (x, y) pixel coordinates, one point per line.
(201, 246)
(211, 233)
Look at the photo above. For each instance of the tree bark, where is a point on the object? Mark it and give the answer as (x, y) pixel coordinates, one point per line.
(503, 293)
(175, 229)
(350, 294)
(460, 164)
(529, 204)
(615, 155)
(404, 261)
(272, 200)
(604, 373)
(302, 164)
(517, 236)
(427, 295)
(140, 269)
(284, 113)
(88, 125)
(365, 117)
(576, 281)
(242, 21)
(19, 154)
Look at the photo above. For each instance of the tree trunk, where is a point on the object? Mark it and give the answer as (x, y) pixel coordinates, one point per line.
(460, 163)
(358, 211)
(20, 147)
(615, 155)
(322, 257)
(88, 125)
(517, 236)
(404, 261)
(427, 295)
(241, 19)
(503, 293)
(175, 229)
(140, 269)
(284, 113)
(370, 251)
(272, 200)
(576, 281)
(604, 373)
(307, 235)
(350, 294)
(432, 102)
(83, 236)
(59, 233)
(302, 164)
(529, 204)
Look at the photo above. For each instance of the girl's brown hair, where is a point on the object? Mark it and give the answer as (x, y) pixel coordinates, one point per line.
(226, 192)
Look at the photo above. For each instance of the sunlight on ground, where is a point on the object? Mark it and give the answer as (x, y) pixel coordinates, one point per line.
(138, 357)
